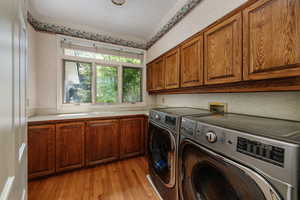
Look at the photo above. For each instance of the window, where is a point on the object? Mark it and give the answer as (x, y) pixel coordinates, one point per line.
(77, 82)
(101, 56)
(132, 84)
(106, 84)
(97, 77)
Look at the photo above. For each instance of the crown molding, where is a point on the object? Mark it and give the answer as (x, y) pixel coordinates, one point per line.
(64, 30)
(180, 14)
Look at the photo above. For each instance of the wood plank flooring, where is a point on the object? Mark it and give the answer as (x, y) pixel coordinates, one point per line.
(123, 180)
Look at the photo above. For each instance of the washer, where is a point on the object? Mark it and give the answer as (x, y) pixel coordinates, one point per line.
(242, 157)
(163, 141)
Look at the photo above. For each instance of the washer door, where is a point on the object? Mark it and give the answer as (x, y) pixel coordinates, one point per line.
(162, 154)
(209, 176)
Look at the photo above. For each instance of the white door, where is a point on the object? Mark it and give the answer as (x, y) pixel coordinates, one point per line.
(13, 134)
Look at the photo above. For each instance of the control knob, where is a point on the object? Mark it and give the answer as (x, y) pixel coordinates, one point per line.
(211, 137)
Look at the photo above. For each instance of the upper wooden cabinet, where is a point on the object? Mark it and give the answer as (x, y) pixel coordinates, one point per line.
(102, 141)
(150, 85)
(192, 62)
(272, 39)
(69, 146)
(132, 137)
(41, 150)
(223, 52)
(172, 69)
(158, 74)
(258, 41)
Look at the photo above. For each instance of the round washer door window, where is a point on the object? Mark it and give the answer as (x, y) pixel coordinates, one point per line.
(161, 153)
(208, 178)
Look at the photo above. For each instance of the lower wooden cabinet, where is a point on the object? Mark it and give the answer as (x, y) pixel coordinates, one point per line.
(60, 147)
(132, 137)
(102, 141)
(69, 146)
(41, 150)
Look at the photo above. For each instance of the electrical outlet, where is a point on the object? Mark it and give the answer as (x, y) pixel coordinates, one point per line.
(217, 107)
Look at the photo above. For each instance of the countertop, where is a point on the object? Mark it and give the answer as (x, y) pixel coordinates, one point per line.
(68, 116)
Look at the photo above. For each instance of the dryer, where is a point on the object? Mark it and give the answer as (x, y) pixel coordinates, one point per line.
(239, 157)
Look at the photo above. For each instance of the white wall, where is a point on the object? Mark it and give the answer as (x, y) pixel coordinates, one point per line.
(276, 104)
(31, 70)
(46, 71)
(284, 105)
(41, 71)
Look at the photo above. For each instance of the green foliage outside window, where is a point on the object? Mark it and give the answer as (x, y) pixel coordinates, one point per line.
(106, 84)
(132, 84)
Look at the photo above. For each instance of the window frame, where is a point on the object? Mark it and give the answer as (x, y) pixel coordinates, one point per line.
(64, 76)
(60, 82)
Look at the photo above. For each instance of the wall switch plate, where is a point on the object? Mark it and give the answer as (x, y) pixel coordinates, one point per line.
(217, 107)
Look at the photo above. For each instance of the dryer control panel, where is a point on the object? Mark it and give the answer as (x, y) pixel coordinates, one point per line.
(269, 153)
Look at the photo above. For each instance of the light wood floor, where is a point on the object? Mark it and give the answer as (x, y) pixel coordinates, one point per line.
(124, 180)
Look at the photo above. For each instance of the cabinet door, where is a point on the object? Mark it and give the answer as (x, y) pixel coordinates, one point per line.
(102, 141)
(223, 52)
(150, 77)
(158, 74)
(41, 150)
(172, 69)
(132, 137)
(271, 39)
(69, 146)
(192, 62)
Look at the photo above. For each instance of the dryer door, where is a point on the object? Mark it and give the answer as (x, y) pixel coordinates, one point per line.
(209, 176)
(162, 154)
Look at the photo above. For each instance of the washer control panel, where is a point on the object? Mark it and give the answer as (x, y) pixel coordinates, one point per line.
(156, 116)
(171, 121)
(269, 153)
(187, 127)
(164, 119)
